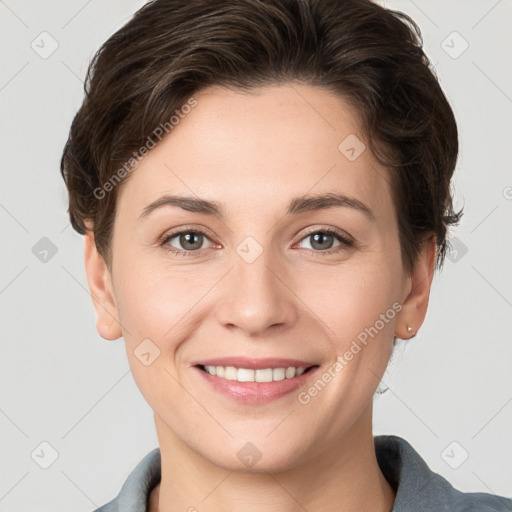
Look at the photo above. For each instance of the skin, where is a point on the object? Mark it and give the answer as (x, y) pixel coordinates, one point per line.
(254, 153)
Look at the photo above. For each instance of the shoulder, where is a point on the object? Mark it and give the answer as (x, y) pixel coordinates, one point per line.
(135, 492)
(418, 488)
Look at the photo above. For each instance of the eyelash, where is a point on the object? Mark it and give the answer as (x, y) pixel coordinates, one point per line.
(345, 242)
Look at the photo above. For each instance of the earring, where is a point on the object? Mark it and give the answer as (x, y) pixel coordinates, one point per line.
(409, 328)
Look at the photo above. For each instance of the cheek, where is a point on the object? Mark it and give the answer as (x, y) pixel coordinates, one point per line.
(353, 298)
(156, 300)
(152, 305)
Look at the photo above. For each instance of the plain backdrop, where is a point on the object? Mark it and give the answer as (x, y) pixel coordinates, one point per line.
(67, 398)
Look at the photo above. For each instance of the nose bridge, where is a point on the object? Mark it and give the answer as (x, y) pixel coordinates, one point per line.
(255, 298)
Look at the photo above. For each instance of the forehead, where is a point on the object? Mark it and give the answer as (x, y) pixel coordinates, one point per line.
(255, 151)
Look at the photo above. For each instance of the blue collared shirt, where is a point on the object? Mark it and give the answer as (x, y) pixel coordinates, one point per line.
(418, 489)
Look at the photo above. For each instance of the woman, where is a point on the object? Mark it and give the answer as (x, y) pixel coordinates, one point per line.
(220, 146)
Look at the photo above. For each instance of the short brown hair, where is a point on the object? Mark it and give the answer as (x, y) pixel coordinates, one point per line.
(370, 56)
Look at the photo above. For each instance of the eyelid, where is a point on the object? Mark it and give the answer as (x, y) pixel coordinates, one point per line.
(186, 229)
(344, 238)
(325, 229)
(164, 240)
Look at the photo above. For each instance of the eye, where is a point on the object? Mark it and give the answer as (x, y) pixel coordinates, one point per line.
(190, 242)
(322, 241)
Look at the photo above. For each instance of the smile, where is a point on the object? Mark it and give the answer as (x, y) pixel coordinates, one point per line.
(251, 375)
(255, 386)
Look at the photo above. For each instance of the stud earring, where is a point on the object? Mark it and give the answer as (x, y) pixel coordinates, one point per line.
(409, 328)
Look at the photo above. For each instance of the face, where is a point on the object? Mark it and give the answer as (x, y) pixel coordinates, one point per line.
(275, 276)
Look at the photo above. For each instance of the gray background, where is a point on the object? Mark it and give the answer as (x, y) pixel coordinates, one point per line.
(450, 391)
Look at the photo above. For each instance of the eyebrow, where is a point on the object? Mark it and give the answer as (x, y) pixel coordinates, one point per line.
(297, 205)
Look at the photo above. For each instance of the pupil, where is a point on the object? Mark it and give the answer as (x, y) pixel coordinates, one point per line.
(321, 237)
(186, 240)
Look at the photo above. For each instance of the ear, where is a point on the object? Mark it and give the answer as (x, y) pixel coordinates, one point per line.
(102, 291)
(416, 292)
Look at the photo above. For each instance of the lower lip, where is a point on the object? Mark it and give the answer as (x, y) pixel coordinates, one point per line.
(256, 392)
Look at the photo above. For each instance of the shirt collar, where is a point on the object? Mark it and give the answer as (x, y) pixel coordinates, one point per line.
(415, 485)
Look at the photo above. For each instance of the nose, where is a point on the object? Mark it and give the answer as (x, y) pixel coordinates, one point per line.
(256, 297)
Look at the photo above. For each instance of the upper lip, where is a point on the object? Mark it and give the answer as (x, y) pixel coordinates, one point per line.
(255, 364)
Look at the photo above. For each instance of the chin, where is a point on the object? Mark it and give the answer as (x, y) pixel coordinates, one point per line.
(261, 455)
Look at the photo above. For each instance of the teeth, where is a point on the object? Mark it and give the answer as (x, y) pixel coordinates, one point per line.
(260, 375)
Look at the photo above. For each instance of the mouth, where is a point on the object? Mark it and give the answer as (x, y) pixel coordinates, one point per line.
(255, 386)
(257, 375)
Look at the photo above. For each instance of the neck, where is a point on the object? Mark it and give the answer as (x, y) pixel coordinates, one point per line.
(345, 477)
